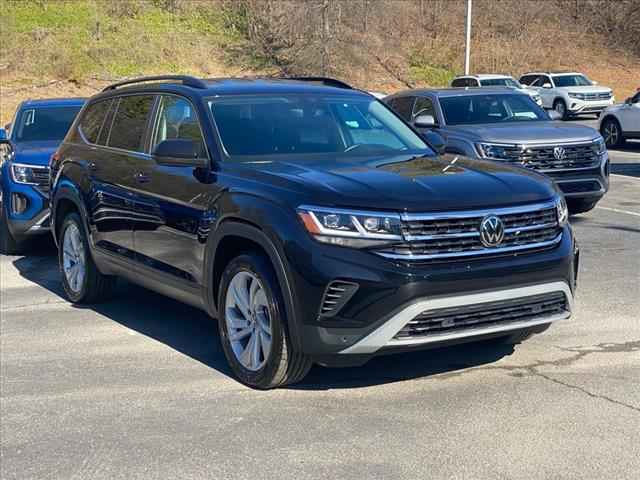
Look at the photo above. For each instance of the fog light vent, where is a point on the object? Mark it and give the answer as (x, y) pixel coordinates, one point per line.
(336, 295)
(19, 203)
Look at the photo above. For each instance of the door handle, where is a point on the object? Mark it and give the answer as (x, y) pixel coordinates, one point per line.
(142, 178)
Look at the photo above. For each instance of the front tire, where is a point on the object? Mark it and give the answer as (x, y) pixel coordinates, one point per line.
(8, 244)
(253, 325)
(561, 107)
(581, 205)
(81, 279)
(612, 133)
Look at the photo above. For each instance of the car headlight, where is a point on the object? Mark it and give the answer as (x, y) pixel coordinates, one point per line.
(562, 211)
(22, 174)
(599, 146)
(579, 96)
(496, 151)
(350, 228)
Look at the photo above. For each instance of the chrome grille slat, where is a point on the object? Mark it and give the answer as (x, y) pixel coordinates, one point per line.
(425, 237)
(541, 157)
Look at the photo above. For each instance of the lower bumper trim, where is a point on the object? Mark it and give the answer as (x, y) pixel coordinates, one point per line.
(384, 335)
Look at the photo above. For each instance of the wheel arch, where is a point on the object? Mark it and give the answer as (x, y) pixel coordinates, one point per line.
(234, 236)
(66, 199)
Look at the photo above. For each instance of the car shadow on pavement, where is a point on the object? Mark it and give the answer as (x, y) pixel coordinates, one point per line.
(195, 334)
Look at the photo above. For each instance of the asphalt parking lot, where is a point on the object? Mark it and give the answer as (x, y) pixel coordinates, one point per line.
(139, 388)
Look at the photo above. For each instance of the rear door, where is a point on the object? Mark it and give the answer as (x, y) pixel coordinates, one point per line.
(175, 199)
(117, 159)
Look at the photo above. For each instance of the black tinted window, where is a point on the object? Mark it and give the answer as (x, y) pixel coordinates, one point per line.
(459, 82)
(93, 119)
(177, 119)
(402, 106)
(130, 121)
(528, 79)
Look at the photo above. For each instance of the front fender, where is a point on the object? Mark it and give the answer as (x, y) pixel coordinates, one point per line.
(269, 225)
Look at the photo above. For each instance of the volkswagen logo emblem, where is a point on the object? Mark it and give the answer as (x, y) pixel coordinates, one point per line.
(559, 153)
(491, 231)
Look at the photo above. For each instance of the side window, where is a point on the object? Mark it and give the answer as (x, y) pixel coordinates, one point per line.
(177, 119)
(636, 98)
(403, 106)
(472, 82)
(527, 79)
(544, 79)
(93, 120)
(130, 122)
(423, 106)
(459, 82)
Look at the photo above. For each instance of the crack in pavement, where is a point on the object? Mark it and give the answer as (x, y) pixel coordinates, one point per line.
(532, 369)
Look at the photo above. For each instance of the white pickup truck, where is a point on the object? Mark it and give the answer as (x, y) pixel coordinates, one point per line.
(570, 93)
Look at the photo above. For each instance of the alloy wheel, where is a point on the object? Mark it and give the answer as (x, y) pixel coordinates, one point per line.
(73, 258)
(560, 108)
(611, 133)
(248, 321)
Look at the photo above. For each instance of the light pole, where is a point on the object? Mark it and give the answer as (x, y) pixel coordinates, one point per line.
(467, 50)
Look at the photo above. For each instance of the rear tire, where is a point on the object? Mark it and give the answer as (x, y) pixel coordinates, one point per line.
(581, 205)
(8, 244)
(252, 315)
(561, 107)
(81, 279)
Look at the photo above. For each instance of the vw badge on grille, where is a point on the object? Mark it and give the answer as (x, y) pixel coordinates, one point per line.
(491, 231)
(559, 153)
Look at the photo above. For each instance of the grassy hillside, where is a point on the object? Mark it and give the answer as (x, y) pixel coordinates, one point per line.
(73, 47)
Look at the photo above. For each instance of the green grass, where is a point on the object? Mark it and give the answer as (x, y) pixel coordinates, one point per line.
(423, 71)
(77, 39)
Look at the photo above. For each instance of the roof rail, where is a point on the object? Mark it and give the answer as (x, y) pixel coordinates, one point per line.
(184, 79)
(329, 82)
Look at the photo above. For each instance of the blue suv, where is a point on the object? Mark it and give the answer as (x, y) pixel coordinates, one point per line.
(37, 129)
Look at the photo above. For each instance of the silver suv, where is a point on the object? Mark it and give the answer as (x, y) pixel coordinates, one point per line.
(504, 125)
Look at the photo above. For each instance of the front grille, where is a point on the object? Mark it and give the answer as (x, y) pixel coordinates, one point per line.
(578, 186)
(336, 295)
(457, 234)
(547, 158)
(485, 314)
(596, 96)
(41, 177)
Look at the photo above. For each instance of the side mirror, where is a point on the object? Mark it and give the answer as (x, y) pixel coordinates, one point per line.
(436, 141)
(553, 115)
(424, 121)
(179, 152)
(3, 136)
(629, 101)
(546, 85)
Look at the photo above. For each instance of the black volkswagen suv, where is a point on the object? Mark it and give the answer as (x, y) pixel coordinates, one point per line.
(310, 219)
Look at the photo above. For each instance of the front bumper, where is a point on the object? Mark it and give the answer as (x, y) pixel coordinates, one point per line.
(33, 219)
(590, 183)
(577, 106)
(391, 293)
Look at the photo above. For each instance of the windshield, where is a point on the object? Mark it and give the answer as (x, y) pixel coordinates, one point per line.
(500, 82)
(45, 123)
(310, 124)
(475, 109)
(571, 81)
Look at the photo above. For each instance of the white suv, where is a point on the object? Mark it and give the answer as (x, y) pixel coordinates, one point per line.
(491, 80)
(621, 122)
(569, 93)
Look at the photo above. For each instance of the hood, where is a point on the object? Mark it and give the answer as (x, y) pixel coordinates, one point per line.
(34, 153)
(587, 89)
(402, 183)
(533, 132)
